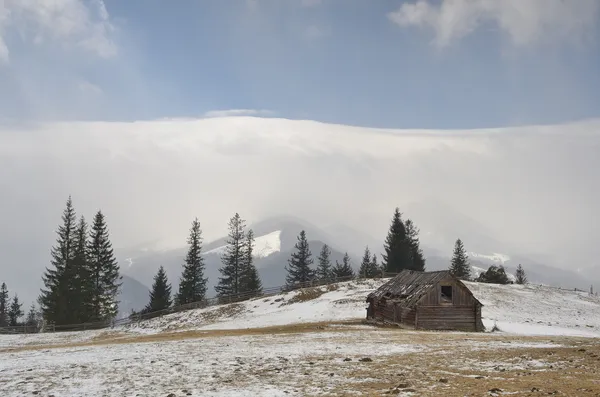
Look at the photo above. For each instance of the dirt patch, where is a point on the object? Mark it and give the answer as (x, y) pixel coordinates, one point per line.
(227, 311)
(304, 295)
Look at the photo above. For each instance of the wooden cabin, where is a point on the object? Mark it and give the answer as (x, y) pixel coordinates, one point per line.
(426, 300)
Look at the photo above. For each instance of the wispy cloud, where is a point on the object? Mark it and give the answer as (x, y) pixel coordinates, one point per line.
(525, 22)
(237, 112)
(70, 23)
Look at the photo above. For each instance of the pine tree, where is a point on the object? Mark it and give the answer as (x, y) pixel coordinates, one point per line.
(378, 269)
(81, 282)
(416, 254)
(324, 263)
(232, 260)
(368, 268)
(521, 277)
(160, 295)
(397, 248)
(343, 270)
(250, 280)
(55, 299)
(459, 265)
(299, 270)
(15, 312)
(104, 272)
(32, 317)
(192, 286)
(4, 306)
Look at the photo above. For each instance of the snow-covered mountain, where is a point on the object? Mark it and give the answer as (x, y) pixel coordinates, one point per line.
(264, 246)
(275, 239)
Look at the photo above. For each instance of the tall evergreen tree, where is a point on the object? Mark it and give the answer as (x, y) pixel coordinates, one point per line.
(250, 280)
(4, 306)
(32, 317)
(397, 248)
(160, 295)
(368, 267)
(104, 272)
(343, 270)
(192, 285)
(81, 281)
(416, 253)
(459, 265)
(15, 312)
(379, 269)
(55, 298)
(521, 277)
(324, 263)
(232, 259)
(299, 270)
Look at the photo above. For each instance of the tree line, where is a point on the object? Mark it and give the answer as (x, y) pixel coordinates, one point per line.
(495, 274)
(11, 310)
(240, 278)
(83, 281)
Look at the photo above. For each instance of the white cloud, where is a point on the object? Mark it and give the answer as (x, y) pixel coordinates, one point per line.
(237, 112)
(71, 23)
(525, 22)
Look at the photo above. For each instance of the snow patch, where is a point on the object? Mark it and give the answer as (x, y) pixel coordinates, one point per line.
(495, 257)
(264, 245)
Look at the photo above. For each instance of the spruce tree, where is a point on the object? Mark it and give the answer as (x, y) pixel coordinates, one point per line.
(15, 312)
(521, 277)
(324, 263)
(416, 254)
(459, 265)
(104, 272)
(397, 248)
(55, 298)
(4, 306)
(250, 280)
(232, 259)
(368, 269)
(343, 270)
(299, 270)
(81, 282)
(160, 295)
(32, 317)
(379, 270)
(192, 285)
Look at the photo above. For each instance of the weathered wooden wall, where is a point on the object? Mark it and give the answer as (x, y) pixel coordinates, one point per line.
(461, 318)
(464, 313)
(460, 295)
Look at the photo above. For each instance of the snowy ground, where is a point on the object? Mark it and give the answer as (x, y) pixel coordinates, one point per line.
(310, 343)
(326, 361)
(515, 309)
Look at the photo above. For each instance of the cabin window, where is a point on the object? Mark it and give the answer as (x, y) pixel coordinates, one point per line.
(446, 294)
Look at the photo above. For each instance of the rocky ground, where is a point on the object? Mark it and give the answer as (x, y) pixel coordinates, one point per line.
(344, 359)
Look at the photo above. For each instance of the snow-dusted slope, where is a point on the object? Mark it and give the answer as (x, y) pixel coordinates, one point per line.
(264, 245)
(527, 310)
(538, 310)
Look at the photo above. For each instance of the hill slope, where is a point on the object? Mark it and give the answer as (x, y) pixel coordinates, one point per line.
(525, 310)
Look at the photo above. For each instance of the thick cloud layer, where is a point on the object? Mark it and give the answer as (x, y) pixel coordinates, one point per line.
(532, 189)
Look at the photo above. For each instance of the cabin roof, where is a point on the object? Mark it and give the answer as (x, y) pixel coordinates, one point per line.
(410, 285)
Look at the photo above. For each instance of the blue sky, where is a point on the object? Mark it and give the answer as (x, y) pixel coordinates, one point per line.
(401, 64)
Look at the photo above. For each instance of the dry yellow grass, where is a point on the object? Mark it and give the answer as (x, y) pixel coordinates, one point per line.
(452, 364)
